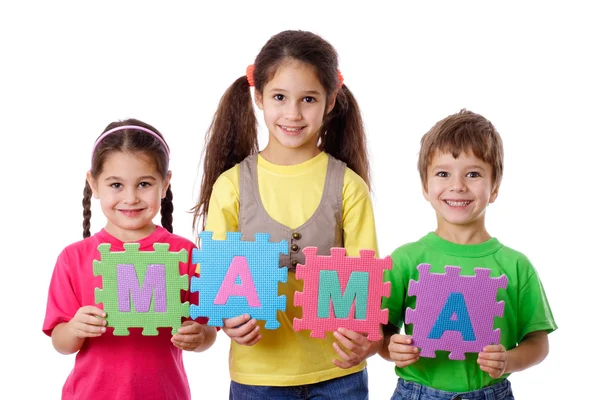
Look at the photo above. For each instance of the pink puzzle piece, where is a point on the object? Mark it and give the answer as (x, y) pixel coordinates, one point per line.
(342, 291)
(454, 313)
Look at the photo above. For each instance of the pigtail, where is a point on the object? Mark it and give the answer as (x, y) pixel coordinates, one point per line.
(166, 210)
(231, 137)
(87, 209)
(343, 134)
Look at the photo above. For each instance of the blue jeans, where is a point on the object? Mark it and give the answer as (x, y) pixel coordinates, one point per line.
(406, 390)
(349, 387)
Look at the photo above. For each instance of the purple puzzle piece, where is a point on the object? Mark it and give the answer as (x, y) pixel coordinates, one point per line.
(454, 313)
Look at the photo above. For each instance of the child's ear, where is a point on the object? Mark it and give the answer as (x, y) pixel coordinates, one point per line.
(425, 193)
(494, 194)
(166, 185)
(331, 102)
(258, 99)
(93, 183)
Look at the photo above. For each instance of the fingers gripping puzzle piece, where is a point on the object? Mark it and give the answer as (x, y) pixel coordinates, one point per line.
(239, 277)
(454, 313)
(141, 289)
(342, 291)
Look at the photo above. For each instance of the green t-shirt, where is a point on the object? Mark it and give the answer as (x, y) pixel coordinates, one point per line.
(526, 308)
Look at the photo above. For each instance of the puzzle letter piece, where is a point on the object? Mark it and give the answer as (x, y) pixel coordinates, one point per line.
(239, 277)
(342, 291)
(356, 293)
(238, 269)
(154, 288)
(141, 289)
(454, 313)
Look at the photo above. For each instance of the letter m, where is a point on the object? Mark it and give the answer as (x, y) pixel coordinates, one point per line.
(130, 290)
(330, 291)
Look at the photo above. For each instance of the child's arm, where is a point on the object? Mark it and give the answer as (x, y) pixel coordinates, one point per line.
(223, 213)
(68, 337)
(532, 350)
(388, 331)
(193, 336)
(397, 348)
(242, 330)
(358, 347)
(358, 222)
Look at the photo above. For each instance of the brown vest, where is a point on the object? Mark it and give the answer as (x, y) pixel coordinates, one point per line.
(322, 230)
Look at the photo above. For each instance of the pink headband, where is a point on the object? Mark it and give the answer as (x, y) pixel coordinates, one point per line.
(136, 127)
(250, 76)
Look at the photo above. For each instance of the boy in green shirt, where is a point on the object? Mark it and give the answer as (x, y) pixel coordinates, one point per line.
(460, 164)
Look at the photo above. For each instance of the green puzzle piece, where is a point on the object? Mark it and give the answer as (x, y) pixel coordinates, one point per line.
(159, 268)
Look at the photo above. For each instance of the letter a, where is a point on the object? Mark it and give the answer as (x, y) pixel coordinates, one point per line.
(238, 268)
(453, 317)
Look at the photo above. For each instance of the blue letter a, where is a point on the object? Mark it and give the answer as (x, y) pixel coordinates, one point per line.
(454, 317)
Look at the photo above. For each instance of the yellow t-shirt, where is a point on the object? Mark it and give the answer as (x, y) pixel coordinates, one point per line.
(284, 357)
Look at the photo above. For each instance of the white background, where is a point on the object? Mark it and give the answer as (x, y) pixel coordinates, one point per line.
(67, 69)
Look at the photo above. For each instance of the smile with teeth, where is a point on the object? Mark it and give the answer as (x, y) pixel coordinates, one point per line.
(291, 129)
(453, 203)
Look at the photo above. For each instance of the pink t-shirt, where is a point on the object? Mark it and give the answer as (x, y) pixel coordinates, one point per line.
(116, 367)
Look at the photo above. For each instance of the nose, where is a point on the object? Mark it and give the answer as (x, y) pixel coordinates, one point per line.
(130, 196)
(292, 111)
(458, 184)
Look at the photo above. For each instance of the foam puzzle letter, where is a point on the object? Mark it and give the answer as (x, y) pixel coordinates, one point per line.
(239, 277)
(453, 317)
(129, 291)
(358, 309)
(454, 312)
(330, 291)
(246, 288)
(149, 279)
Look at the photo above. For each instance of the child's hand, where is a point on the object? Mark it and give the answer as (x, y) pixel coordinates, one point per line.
(190, 336)
(358, 347)
(242, 330)
(87, 322)
(493, 359)
(401, 351)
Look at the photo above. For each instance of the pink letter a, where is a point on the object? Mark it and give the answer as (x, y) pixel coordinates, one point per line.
(238, 267)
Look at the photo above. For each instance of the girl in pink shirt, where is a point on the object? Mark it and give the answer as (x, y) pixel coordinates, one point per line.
(130, 176)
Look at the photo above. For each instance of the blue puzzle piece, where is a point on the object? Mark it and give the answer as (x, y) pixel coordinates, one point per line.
(261, 259)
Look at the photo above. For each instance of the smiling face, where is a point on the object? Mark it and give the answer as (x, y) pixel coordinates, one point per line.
(459, 190)
(130, 190)
(294, 104)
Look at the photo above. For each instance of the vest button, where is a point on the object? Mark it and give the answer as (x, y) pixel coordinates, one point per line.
(296, 235)
(295, 247)
(294, 263)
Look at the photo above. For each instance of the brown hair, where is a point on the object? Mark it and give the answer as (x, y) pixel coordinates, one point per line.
(465, 132)
(233, 133)
(130, 140)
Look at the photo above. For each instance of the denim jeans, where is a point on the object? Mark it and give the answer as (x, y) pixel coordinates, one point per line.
(406, 390)
(349, 387)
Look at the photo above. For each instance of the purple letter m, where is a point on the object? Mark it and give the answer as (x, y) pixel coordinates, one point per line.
(129, 288)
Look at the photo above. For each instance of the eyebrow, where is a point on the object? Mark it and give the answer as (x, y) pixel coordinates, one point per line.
(445, 166)
(141, 178)
(313, 92)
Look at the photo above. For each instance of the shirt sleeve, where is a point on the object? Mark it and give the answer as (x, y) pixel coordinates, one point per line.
(534, 310)
(358, 220)
(224, 205)
(397, 276)
(63, 302)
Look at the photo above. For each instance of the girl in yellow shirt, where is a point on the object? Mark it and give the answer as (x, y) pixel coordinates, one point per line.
(310, 186)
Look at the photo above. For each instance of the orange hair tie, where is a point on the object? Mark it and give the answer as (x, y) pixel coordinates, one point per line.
(340, 79)
(250, 74)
